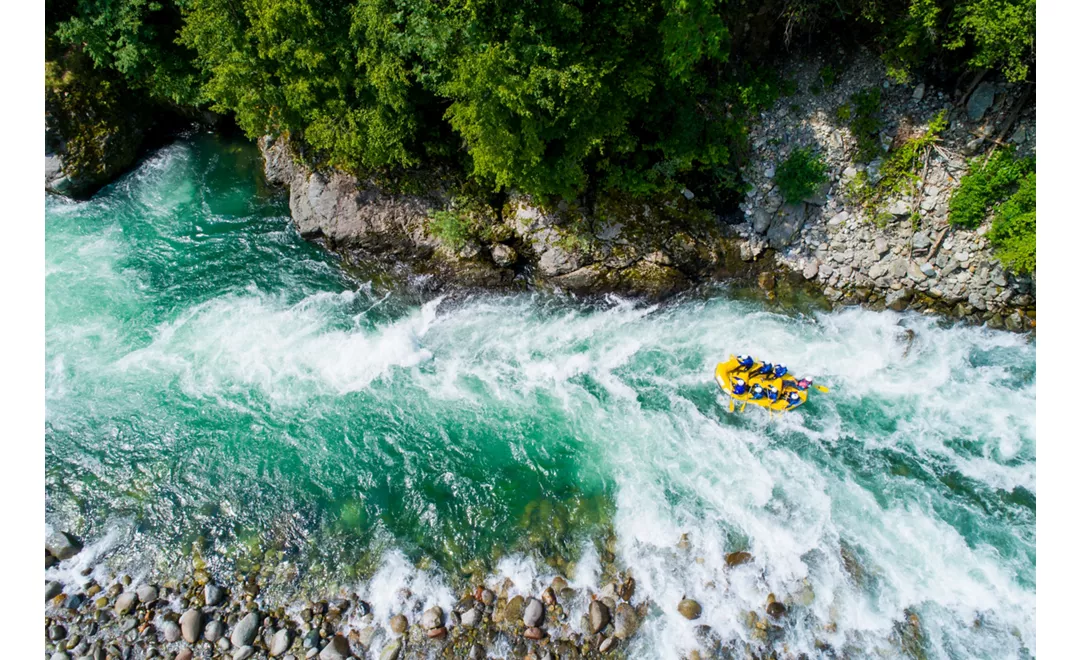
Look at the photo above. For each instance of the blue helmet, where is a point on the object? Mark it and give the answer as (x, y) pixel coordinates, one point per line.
(780, 370)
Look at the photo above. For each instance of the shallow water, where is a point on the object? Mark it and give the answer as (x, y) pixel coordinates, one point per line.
(215, 384)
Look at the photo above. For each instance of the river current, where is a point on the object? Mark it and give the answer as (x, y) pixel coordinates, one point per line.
(218, 387)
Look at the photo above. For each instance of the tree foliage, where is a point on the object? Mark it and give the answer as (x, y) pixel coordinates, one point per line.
(552, 97)
(800, 175)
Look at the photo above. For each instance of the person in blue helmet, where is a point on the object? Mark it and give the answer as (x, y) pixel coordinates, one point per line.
(773, 393)
(745, 361)
(757, 391)
(738, 386)
(793, 399)
(765, 370)
(779, 371)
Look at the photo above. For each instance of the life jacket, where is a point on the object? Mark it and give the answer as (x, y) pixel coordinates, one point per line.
(779, 371)
(773, 393)
(738, 386)
(766, 369)
(756, 391)
(793, 398)
(745, 361)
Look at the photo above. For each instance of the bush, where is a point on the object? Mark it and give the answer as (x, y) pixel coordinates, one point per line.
(1013, 231)
(801, 174)
(865, 114)
(899, 173)
(990, 181)
(451, 228)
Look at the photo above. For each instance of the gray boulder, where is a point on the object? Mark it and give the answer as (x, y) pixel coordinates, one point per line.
(147, 593)
(472, 618)
(191, 625)
(170, 631)
(244, 632)
(281, 642)
(215, 630)
(337, 649)
(213, 594)
(125, 602)
(63, 545)
(786, 225)
(243, 653)
(980, 101)
(761, 221)
(599, 616)
(534, 613)
(503, 255)
(53, 589)
(432, 618)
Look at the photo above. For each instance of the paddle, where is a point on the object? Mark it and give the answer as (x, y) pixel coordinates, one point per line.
(822, 389)
(731, 408)
(743, 407)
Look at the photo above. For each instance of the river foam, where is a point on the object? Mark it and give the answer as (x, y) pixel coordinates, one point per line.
(209, 374)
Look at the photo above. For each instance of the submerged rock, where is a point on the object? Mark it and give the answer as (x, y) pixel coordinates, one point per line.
(63, 545)
(626, 621)
(599, 616)
(534, 613)
(337, 649)
(125, 603)
(690, 609)
(391, 650)
(213, 594)
(399, 624)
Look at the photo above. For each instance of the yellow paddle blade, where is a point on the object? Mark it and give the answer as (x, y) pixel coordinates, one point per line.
(742, 407)
(821, 388)
(731, 408)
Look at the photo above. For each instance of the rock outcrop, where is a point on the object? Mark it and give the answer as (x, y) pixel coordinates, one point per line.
(644, 250)
(898, 260)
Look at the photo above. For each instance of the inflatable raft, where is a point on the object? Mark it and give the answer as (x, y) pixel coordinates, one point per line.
(727, 372)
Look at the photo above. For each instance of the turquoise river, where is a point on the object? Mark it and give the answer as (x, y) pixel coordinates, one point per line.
(219, 388)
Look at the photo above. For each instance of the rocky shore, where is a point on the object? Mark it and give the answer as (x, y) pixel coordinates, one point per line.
(921, 263)
(116, 617)
(825, 244)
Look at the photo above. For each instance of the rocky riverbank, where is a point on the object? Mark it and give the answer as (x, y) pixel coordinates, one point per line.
(94, 616)
(825, 244)
(915, 259)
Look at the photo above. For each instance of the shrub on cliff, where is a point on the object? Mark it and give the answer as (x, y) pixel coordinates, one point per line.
(990, 181)
(800, 175)
(1004, 186)
(1013, 231)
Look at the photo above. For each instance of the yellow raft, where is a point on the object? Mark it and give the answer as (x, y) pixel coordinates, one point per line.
(726, 371)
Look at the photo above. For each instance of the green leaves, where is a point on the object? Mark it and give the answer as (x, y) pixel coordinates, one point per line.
(799, 176)
(1005, 186)
(552, 97)
(1013, 231)
(990, 180)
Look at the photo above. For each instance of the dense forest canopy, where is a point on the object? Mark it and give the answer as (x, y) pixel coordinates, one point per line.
(550, 97)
